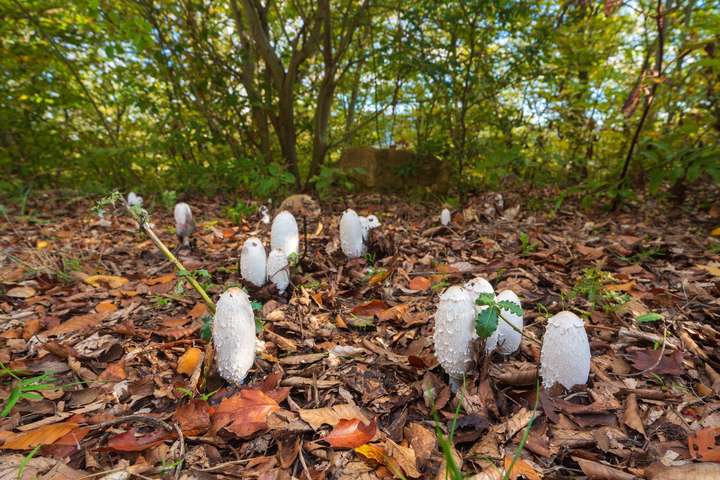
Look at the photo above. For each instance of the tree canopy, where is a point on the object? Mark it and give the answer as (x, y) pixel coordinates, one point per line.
(265, 95)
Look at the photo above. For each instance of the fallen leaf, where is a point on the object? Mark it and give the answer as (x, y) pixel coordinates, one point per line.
(591, 253)
(621, 287)
(199, 310)
(351, 433)
(703, 444)
(404, 457)
(712, 268)
(111, 281)
(520, 469)
(393, 313)
(420, 284)
(369, 309)
(715, 232)
(134, 441)
(670, 364)
(331, 415)
(631, 417)
(193, 417)
(694, 471)
(595, 470)
(32, 326)
(77, 324)
(372, 451)
(21, 292)
(44, 435)
(244, 413)
(190, 360)
(105, 307)
(378, 277)
(162, 279)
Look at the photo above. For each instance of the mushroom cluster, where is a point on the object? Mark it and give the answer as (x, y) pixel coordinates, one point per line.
(355, 232)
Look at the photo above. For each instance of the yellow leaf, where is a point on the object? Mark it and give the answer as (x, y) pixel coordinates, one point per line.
(189, 361)
(712, 268)
(715, 232)
(41, 244)
(110, 280)
(45, 435)
(371, 451)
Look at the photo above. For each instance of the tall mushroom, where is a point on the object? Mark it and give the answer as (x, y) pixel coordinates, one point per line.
(445, 217)
(454, 332)
(284, 234)
(253, 262)
(278, 270)
(351, 235)
(234, 335)
(506, 338)
(184, 223)
(565, 353)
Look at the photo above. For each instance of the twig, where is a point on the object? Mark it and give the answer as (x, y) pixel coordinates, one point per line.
(525, 336)
(181, 439)
(134, 418)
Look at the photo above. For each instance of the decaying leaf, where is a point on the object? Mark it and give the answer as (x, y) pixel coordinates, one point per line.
(331, 415)
(351, 433)
(369, 309)
(136, 441)
(111, 281)
(244, 413)
(193, 417)
(44, 435)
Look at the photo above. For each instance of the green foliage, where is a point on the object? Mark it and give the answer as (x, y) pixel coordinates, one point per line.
(525, 244)
(486, 321)
(239, 211)
(24, 388)
(332, 178)
(206, 329)
(591, 286)
(648, 317)
(168, 199)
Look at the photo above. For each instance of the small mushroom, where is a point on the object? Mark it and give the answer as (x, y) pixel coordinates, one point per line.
(505, 338)
(284, 233)
(351, 235)
(368, 223)
(455, 331)
(234, 335)
(184, 224)
(134, 200)
(565, 354)
(253, 262)
(445, 217)
(278, 270)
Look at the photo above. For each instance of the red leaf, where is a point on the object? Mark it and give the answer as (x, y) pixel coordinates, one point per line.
(134, 441)
(370, 309)
(351, 433)
(245, 413)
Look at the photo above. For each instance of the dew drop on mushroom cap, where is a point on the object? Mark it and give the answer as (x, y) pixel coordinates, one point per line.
(454, 331)
(565, 354)
(234, 335)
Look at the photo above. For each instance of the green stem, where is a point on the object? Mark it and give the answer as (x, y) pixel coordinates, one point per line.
(142, 220)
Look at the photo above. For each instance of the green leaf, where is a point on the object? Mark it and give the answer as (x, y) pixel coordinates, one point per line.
(649, 317)
(511, 307)
(485, 299)
(486, 322)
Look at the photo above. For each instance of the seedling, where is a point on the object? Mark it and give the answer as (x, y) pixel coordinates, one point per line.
(486, 321)
(25, 388)
(525, 244)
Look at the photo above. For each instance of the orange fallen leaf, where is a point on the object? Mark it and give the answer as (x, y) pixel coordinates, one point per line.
(111, 281)
(715, 232)
(420, 284)
(193, 417)
(394, 313)
(77, 324)
(114, 371)
(372, 451)
(198, 310)
(369, 309)
(44, 435)
(134, 441)
(21, 292)
(163, 279)
(621, 287)
(189, 360)
(703, 444)
(31, 327)
(520, 469)
(351, 433)
(244, 413)
(378, 277)
(105, 307)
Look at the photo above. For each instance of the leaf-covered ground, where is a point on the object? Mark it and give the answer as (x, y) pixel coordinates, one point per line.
(101, 343)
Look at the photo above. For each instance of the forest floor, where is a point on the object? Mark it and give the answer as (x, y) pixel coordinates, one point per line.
(347, 383)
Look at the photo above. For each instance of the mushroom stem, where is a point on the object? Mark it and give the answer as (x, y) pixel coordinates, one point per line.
(142, 220)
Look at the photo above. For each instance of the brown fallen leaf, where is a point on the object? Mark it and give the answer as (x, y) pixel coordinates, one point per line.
(199, 310)
(694, 471)
(189, 361)
(351, 433)
(598, 471)
(712, 268)
(111, 281)
(32, 326)
(521, 469)
(244, 413)
(77, 324)
(378, 277)
(105, 307)
(670, 364)
(316, 417)
(21, 292)
(162, 279)
(369, 309)
(631, 417)
(193, 417)
(591, 253)
(134, 441)
(403, 457)
(420, 284)
(394, 313)
(44, 435)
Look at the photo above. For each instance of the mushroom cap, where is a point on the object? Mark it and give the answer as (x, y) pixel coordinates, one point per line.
(284, 233)
(253, 262)
(351, 235)
(565, 354)
(234, 335)
(277, 270)
(455, 331)
(479, 285)
(445, 217)
(134, 200)
(184, 225)
(368, 223)
(506, 339)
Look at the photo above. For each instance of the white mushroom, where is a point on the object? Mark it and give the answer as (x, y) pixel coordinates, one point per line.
(253, 262)
(351, 235)
(284, 233)
(264, 215)
(565, 354)
(368, 223)
(506, 338)
(184, 224)
(445, 217)
(277, 270)
(134, 200)
(455, 331)
(234, 335)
